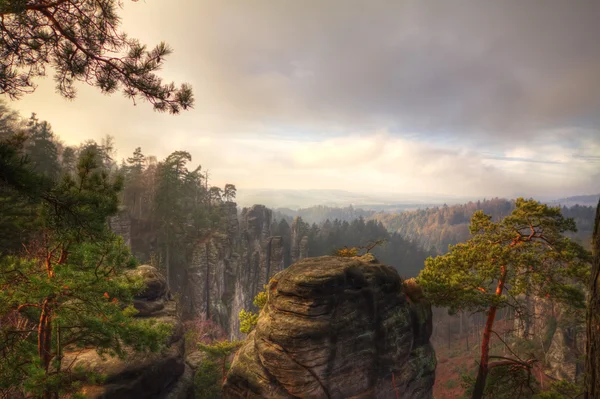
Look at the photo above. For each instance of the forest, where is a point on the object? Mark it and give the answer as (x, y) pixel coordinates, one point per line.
(437, 227)
(135, 276)
(170, 207)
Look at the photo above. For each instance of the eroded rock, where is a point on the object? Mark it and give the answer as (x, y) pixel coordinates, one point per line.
(336, 328)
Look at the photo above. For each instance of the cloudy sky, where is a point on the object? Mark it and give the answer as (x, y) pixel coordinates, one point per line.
(470, 98)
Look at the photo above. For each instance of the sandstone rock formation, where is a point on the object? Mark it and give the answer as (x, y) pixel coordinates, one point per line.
(299, 244)
(228, 269)
(337, 328)
(553, 326)
(211, 274)
(562, 356)
(158, 375)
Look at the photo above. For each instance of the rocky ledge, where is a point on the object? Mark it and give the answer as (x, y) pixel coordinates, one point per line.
(337, 328)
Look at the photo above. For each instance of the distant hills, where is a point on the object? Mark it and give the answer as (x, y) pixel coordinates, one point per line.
(437, 227)
(583, 200)
(432, 223)
(296, 199)
(293, 200)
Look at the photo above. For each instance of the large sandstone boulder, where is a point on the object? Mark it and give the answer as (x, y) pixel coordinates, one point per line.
(337, 328)
(142, 375)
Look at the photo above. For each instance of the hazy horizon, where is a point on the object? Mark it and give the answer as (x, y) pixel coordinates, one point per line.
(295, 199)
(406, 97)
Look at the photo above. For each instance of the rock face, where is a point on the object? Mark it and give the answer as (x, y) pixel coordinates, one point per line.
(211, 274)
(553, 326)
(159, 375)
(337, 328)
(226, 269)
(229, 269)
(299, 244)
(562, 359)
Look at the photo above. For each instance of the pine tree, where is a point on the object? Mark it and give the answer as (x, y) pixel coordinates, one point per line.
(41, 148)
(81, 41)
(69, 290)
(525, 253)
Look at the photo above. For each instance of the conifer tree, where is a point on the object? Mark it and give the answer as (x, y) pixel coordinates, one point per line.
(82, 42)
(69, 290)
(41, 148)
(524, 253)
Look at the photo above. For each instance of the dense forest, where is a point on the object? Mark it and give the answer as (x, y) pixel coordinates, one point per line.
(169, 198)
(437, 227)
(328, 236)
(138, 278)
(320, 213)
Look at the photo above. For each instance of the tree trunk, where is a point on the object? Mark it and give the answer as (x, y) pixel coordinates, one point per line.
(207, 283)
(592, 364)
(167, 264)
(485, 342)
(45, 341)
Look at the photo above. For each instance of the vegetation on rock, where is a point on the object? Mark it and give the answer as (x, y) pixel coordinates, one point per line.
(248, 319)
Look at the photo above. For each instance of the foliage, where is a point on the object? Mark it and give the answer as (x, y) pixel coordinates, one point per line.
(67, 290)
(329, 236)
(178, 207)
(505, 382)
(260, 300)
(220, 349)
(212, 371)
(529, 244)
(525, 253)
(346, 252)
(561, 389)
(248, 319)
(82, 42)
(207, 381)
(319, 213)
(438, 227)
(354, 251)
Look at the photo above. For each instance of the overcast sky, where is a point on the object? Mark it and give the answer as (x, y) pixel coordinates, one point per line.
(474, 98)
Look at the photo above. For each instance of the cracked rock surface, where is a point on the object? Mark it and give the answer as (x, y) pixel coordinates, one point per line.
(337, 328)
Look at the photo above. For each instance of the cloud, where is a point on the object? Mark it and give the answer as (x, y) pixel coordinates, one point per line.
(381, 162)
(464, 67)
(464, 96)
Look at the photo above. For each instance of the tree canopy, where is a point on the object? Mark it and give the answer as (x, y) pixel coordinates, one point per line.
(67, 288)
(81, 41)
(526, 253)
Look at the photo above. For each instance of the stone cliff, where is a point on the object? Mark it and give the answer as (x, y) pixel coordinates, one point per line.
(337, 328)
(562, 336)
(228, 269)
